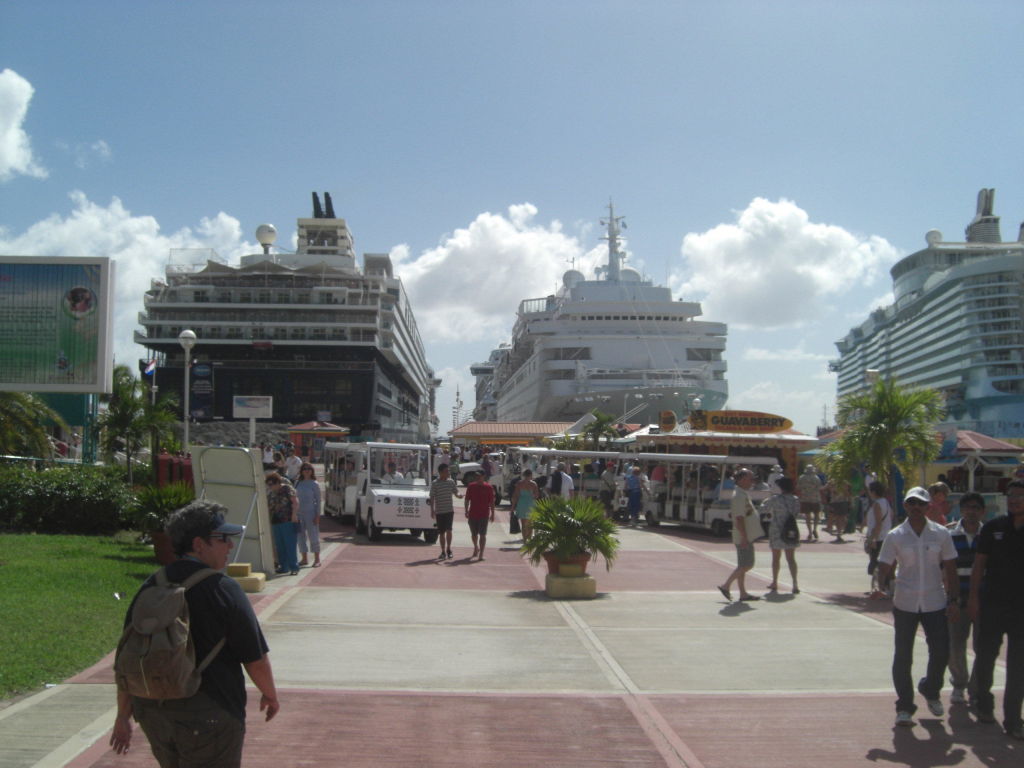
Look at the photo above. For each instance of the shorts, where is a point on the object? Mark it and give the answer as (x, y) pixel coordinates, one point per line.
(809, 508)
(444, 520)
(840, 508)
(745, 556)
(478, 526)
(876, 547)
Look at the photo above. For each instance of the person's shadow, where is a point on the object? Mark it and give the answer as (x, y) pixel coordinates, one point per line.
(908, 749)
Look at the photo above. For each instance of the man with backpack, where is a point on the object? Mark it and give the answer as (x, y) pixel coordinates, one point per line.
(189, 632)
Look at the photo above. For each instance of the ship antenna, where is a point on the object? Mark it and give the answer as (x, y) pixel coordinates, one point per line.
(614, 255)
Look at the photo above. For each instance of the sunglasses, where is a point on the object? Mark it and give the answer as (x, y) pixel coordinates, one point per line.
(915, 503)
(221, 537)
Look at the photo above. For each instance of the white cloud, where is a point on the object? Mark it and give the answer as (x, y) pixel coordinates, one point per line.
(136, 245)
(84, 155)
(469, 287)
(782, 355)
(15, 148)
(774, 267)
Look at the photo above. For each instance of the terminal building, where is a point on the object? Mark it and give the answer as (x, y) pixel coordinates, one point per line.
(327, 340)
(957, 326)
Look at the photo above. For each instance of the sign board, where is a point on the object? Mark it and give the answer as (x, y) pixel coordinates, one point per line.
(55, 324)
(252, 407)
(234, 477)
(740, 422)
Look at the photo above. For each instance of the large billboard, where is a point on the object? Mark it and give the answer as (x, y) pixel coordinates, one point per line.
(55, 324)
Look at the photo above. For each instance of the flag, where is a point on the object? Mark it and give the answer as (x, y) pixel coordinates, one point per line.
(150, 367)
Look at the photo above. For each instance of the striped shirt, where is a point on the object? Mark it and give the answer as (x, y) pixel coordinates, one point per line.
(966, 545)
(441, 492)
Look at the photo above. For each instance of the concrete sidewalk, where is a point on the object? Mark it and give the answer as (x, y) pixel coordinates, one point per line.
(387, 656)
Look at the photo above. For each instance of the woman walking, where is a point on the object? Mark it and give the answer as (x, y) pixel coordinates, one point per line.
(878, 524)
(308, 491)
(783, 507)
(524, 497)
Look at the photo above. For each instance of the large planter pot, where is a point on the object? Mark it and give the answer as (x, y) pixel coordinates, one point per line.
(163, 551)
(554, 563)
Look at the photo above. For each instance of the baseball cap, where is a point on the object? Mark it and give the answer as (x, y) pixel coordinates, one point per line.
(919, 493)
(223, 526)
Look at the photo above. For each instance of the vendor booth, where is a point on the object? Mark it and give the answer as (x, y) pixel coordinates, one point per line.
(309, 438)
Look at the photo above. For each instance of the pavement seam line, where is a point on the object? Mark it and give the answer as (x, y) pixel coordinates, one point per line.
(664, 739)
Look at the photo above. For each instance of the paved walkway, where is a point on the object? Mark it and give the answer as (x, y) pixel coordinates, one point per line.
(388, 657)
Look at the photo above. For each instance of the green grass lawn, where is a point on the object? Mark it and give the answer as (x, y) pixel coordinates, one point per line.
(58, 612)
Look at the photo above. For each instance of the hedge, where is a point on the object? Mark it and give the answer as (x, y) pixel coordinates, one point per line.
(71, 499)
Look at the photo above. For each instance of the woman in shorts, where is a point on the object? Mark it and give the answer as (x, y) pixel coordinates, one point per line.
(878, 524)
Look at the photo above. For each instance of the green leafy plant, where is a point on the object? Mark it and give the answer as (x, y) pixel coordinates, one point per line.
(79, 499)
(567, 527)
(155, 503)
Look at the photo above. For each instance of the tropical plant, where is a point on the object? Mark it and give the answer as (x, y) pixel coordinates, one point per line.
(885, 427)
(603, 425)
(131, 417)
(23, 420)
(565, 442)
(155, 503)
(567, 527)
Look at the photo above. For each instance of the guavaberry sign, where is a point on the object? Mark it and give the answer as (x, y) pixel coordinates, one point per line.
(751, 422)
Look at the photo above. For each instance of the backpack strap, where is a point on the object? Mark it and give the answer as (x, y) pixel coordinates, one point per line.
(187, 584)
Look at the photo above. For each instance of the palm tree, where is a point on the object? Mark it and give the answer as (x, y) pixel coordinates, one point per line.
(23, 420)
(885, 427)
(603, 425)
(131, 417)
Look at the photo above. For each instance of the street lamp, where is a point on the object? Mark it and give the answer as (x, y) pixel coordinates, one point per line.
(187, 339)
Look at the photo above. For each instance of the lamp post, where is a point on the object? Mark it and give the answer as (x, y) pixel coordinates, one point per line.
(187, 339)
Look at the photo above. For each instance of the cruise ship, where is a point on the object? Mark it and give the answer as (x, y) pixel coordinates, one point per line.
(327, 340)
(957, 326)
(617, 343)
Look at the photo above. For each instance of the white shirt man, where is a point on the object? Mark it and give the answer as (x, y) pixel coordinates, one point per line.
(292, 465)
(927, 593)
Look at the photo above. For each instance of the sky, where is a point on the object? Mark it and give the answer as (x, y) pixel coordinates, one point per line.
(772, 159)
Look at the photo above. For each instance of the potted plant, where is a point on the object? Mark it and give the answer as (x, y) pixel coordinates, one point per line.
(154, 505)
(570, 531)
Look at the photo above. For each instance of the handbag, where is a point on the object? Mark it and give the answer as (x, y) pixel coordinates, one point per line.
(513, 523)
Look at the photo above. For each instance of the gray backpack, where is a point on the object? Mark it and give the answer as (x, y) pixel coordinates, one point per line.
(156, 658)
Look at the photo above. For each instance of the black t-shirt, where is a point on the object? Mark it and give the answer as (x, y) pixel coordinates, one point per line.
(219, 608)
(1003, 546)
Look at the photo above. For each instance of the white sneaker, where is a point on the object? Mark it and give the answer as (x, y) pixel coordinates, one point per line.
(958, 696)
(904, 719)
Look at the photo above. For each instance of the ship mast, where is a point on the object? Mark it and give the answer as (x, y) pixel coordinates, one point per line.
(614, 256)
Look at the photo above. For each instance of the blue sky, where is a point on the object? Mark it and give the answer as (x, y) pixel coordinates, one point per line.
(773, 159)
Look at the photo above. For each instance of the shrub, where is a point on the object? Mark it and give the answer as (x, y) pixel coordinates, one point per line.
(75, 500)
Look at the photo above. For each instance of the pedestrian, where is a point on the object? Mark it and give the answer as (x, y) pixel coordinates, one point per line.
(442, 508)
(809, 489)
(925, 595)
(965, 542)
(479, 505)
(608, 485)
(283, 505)
(561, 483)
(524, 497)
(636, 491)
(746, 527)
(938, 510)
(308, 491)
(879, 523)
(292, 467)
(218, 610)
(997, 601)
(838, 508)
(783, 505)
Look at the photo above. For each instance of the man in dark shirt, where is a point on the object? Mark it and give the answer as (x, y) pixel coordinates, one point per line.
(479, 511)
(218, 609)
(997, 602)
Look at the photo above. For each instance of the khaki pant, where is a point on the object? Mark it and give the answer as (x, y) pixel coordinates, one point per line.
(191, 733)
